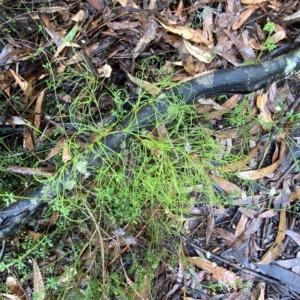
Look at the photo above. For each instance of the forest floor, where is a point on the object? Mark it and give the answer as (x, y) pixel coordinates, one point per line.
(203, 207)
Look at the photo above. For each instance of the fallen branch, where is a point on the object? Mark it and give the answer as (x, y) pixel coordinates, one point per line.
(239, 80)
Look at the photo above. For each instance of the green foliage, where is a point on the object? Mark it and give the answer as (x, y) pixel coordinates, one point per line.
(239, 115)
(148, 183)
(269, 27)
(268, 44)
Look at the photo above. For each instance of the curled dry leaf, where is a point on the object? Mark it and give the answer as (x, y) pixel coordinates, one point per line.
(278, 36)
(218, 273)
(241, 226)
(63, 46)
(23, 84)
(261, 173)
(227, 186)
(78, 16)
(198, 53)
(15, 288)
(275, 250)
(187, 33)
(105, 71)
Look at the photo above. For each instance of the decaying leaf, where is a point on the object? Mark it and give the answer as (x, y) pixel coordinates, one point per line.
(243, 17)
(201, 55)
(187, 33)
(38, 282)
(15, 288)
(275, 250)
(149, 35)
(264, 117)
(218, 273)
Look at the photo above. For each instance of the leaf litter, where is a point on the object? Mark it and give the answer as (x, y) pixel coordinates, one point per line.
(242, 244)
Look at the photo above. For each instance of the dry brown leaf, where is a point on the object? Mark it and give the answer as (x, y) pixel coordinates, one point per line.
(267, 214)
(149, 35)
(247, 53)
(63, 46)
(125, 25)
(78, 16)
(218, 273)
(295, 195)
(227, 186)
(51, 9)
(253, 1)
(28, 170)
(252, 227)
(264, 117)
(241, 226)
(226, 235)
(278, 36)
(28, 139)
(15, 288)
(23, 84)
(58, 146)
(10, 297)
(33, 235)
(258, 174)
(243, 17)
(275, 250)
(149, 87)
(98, 4)
(127, 3)
(54, 218)
(198, 53)
(38, 111)
(104, 71)
(66, 156)
(187, 33)
(232, 167)
(38, 283)
(208, 23)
